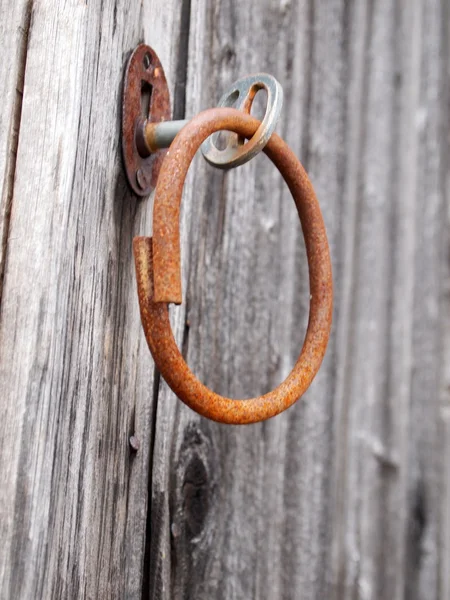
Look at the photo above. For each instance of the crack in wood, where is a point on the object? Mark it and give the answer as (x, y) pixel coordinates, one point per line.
(151, 576)
(8, 192)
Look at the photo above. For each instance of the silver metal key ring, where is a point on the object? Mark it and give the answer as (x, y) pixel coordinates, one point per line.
(241, 95)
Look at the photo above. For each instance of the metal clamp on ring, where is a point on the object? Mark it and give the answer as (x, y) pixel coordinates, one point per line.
(241, 95)
(157, 259)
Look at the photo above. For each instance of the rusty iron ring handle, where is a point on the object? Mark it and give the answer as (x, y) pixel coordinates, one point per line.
(159, 281)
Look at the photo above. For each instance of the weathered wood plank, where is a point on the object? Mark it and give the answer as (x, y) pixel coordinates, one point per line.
(243, 510)
(426, 569)
(444, 326)
(75, 376)
(388, 415)
(375, 391)
(252, 512)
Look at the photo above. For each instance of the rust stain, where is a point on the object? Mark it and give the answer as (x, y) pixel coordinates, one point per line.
(159, 280)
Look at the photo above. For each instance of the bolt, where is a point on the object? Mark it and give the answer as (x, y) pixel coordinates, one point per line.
(141, 179)
(134, 443)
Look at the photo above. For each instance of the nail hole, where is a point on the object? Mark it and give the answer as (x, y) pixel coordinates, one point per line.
(147, 60)
(146, 95)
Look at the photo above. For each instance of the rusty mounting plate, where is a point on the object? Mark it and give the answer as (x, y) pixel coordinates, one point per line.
(145, 96)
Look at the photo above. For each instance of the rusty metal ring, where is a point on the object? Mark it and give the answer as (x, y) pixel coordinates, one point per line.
(159, 280)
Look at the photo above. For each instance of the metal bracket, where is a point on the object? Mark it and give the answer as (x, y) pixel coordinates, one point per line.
(145, 98)
(147, 130)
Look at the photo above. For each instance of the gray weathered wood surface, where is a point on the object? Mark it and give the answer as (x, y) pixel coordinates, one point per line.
(347, 494)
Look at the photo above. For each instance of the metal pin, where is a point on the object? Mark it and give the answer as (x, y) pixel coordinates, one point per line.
(161, 135)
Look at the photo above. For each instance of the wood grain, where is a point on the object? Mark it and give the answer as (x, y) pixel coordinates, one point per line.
(347, 494)
(426, 570)
(76, 378)
(321, 502)
(14, 26)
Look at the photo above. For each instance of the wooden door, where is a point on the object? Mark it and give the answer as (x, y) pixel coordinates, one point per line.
(347, 494)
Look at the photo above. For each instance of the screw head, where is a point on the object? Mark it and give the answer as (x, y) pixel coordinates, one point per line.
(141, 179)
(134, 443)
